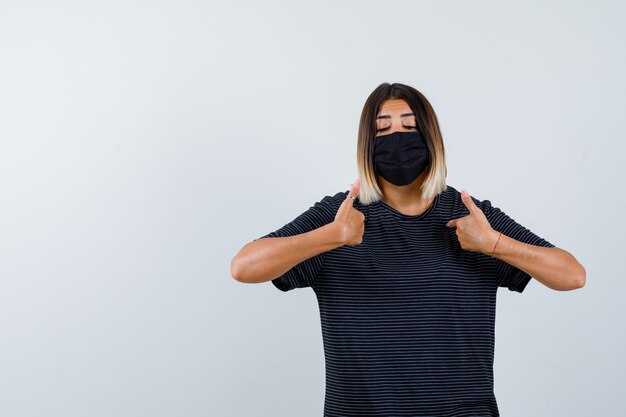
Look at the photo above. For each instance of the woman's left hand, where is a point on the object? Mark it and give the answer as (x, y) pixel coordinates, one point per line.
(474, 231)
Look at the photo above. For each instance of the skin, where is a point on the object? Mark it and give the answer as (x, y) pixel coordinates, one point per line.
(553, 267)
(407, 198)
(265, 259)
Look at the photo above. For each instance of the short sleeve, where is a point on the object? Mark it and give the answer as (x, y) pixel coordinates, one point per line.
(508, 275)
(304, 274)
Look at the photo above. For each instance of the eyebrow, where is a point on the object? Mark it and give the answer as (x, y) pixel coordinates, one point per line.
(386, 116)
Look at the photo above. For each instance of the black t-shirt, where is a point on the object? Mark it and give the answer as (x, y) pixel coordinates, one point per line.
(407, 316)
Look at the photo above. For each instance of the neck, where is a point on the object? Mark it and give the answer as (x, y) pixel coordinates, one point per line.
(407, 198)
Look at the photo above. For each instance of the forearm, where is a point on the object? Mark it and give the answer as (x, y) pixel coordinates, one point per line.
(265, 259)
(553, 267)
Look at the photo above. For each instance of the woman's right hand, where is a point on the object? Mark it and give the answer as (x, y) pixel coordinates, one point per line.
(350, 221)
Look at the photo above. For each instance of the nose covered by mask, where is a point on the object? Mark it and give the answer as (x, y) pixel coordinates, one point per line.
(400, 156)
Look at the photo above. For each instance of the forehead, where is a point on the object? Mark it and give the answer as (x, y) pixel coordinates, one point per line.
(393, 107)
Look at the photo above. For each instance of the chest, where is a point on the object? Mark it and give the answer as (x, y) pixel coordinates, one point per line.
(403, 261)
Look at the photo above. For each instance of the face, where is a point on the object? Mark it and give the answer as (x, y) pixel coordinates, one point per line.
(395, 115)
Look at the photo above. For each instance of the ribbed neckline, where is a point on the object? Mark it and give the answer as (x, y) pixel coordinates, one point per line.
(408, 216)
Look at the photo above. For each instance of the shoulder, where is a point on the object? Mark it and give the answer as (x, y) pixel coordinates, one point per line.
(330, 203)
(334, 201)
(339, 197)
(336, 198)
(452, 202)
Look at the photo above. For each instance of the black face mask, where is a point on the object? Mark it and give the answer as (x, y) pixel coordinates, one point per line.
(401, 156)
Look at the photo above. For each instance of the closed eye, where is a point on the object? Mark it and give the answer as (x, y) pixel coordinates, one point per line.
(385, 128)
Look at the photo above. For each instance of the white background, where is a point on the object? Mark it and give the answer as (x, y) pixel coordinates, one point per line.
(144, 143)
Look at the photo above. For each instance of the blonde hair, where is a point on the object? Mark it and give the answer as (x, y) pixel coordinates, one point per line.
(426, 119)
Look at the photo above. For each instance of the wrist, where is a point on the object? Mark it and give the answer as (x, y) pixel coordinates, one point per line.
(494, 240)
(336, 234)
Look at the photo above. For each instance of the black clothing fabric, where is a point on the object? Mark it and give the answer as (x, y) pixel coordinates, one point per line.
(407, 316)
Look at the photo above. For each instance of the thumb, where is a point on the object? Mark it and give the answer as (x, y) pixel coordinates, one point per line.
(469, 203)
(354, 191)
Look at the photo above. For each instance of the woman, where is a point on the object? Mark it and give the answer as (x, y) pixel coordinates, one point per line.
(405, 270)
